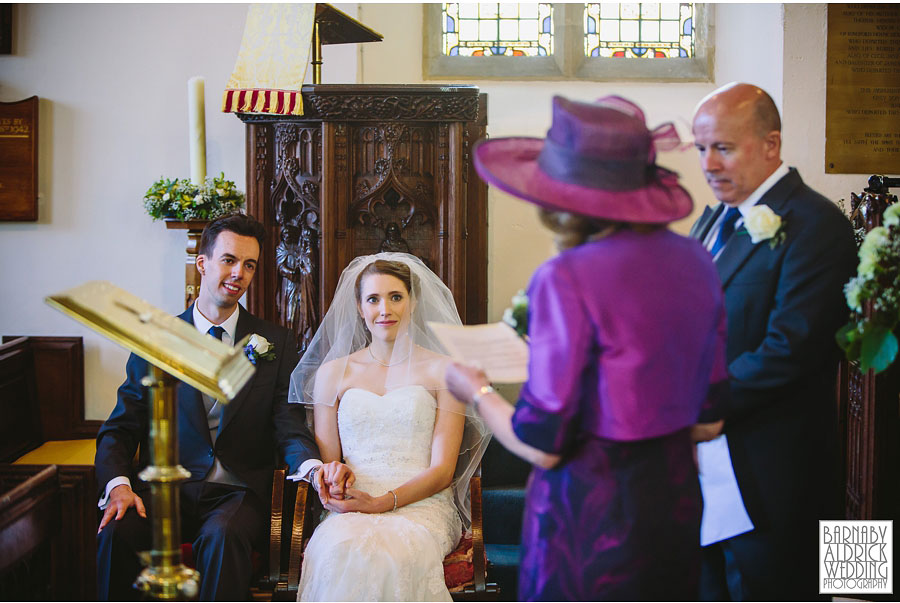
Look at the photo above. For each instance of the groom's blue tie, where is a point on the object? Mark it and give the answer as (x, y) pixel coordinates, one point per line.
(726, 230)
(216, 332)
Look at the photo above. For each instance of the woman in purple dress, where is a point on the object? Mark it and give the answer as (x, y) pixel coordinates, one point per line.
(627, 366)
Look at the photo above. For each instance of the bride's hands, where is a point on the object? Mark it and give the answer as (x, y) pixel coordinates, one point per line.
(361, 502)
(332, 480)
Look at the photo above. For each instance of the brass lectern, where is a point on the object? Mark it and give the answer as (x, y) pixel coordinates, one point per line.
(175, 350)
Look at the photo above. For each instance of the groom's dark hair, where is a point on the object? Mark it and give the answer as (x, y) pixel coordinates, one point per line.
(239, 224)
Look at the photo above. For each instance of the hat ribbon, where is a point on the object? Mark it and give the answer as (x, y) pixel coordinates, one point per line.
(572, 167)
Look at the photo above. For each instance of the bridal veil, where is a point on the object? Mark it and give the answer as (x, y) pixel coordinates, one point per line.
(343, 332)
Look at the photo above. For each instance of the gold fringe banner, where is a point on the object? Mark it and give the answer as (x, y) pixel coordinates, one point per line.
(272, 61)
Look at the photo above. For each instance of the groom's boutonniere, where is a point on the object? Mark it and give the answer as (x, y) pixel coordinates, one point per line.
(763, 224)
(258, 347)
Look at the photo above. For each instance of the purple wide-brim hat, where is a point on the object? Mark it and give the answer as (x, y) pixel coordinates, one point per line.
(597, 161)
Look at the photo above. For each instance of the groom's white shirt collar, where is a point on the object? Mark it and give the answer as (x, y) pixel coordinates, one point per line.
(229, 324)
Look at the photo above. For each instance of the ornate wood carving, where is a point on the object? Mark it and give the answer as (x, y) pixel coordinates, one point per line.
(261, 155)
(384, 103)
(869, 407)
(366, 169)
(394, 199)
(296, 198)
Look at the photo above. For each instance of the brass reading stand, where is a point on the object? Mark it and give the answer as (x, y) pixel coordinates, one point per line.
(332, 26)
(175, 350)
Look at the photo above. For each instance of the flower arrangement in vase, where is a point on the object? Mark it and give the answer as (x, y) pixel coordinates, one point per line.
(184, 200)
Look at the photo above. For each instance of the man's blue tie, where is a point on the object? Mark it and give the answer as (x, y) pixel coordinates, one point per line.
(726, 230)
(216, 332)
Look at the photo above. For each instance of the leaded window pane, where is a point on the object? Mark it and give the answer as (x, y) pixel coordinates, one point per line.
(497, 29)
(642, 30)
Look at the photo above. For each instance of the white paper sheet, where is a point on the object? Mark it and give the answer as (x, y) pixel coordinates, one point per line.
(724, 514)
(495, 347)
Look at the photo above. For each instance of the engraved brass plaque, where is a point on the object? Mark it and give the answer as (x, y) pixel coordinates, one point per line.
(862, 89)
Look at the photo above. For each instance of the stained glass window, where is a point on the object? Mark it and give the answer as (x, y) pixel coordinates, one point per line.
(497, 29)
(640, 30)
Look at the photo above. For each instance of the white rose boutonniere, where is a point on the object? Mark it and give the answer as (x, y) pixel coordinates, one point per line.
(258, 347)
(763, 224)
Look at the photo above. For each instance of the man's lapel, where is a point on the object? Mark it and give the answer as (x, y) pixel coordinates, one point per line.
(701, 227)
(244, 327)
(188, 397)
(739, 248)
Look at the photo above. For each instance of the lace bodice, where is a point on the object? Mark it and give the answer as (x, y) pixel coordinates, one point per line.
(386, 441)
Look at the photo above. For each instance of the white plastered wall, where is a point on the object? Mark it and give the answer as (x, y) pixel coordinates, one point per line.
(113, 79)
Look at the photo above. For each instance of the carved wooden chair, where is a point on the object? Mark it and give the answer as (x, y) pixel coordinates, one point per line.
(295, 510)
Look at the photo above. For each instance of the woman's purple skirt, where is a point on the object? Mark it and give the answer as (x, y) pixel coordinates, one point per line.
(615, 521)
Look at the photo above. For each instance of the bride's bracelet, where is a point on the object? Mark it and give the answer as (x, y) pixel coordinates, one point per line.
(394, 494)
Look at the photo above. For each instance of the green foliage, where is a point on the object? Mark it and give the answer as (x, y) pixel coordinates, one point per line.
(183, 200)
(870, 339)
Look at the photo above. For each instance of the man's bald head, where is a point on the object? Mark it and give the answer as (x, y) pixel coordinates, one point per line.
(749, 101)
(737, 131)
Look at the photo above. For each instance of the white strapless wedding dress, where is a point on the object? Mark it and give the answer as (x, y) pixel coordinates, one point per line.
(394, 556)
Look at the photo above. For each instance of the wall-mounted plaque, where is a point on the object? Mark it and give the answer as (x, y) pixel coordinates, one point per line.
(862, 89)
(19, 160)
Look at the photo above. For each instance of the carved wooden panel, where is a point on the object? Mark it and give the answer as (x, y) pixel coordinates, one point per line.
(869, 411)
(295, 198)
(366, 169)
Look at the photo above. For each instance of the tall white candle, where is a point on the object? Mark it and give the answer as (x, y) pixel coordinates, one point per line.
(197, 123)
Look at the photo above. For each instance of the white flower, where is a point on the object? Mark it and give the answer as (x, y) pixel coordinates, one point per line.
(869, 251)
(520, 299)
(220, 192)
(852, 291)
(166, 197)
(259, 344)
(891, 216)
(761, 223)
(508, 318)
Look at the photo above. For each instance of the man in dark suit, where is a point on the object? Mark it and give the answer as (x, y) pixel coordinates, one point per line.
(230, 450)
(783, 253)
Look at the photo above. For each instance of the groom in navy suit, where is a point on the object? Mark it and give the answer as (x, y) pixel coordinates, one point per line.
(230, 450)
(783, 253)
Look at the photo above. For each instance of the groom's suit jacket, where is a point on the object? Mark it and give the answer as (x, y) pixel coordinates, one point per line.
(784, 305)
(254, 425)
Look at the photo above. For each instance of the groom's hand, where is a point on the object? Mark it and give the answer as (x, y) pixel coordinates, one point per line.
(332, 481)
(361, 502)
(121, 498)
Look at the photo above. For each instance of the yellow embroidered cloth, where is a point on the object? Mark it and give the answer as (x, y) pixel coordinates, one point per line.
(273, 59)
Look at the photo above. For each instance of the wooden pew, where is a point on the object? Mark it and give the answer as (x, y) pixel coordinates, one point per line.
(30, 552)
(42, 405)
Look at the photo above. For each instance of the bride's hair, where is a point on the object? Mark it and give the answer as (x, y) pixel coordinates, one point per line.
(398, 270)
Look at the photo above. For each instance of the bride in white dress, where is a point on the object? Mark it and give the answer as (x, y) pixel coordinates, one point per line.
(374, 375)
